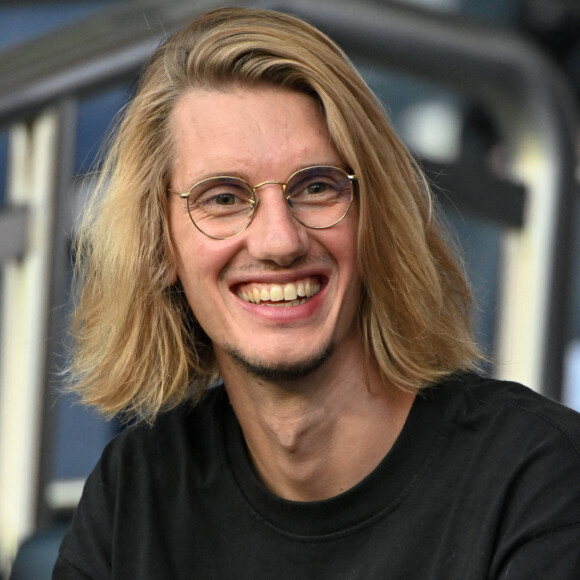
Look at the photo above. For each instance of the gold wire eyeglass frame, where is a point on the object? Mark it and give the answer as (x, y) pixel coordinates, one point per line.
(255, 199)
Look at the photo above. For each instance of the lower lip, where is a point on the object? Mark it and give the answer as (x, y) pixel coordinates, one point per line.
(284, 314)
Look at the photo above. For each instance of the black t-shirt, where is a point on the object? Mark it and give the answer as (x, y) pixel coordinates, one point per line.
(482, 483)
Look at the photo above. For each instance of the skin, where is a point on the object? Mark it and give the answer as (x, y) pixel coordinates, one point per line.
(315, 415)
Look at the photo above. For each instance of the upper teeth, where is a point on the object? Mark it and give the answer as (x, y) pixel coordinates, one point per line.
(276, 293)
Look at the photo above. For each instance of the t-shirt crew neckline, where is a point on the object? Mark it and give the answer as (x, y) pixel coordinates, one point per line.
(388, 485)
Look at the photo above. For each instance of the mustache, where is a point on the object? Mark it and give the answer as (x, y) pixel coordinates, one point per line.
(301, 263)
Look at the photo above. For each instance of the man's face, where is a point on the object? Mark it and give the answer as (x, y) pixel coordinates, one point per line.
(263, 134)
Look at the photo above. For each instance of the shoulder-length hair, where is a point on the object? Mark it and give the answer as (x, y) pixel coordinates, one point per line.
(138, 348)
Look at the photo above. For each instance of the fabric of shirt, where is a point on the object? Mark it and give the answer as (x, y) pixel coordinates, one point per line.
(483, 482)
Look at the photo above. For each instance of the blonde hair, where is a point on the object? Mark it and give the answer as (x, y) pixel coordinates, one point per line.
(138, 348)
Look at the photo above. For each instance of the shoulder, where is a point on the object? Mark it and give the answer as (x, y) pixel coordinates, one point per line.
(496, 402)
(540, 409)
(505, 428)
(511, 430)
(127, 492)
(519, 449)
(186, 433)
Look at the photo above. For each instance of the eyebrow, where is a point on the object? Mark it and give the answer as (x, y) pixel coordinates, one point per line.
(245, 178)
(205, 176)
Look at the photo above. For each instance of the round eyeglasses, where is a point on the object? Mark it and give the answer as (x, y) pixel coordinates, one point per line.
(223, 207)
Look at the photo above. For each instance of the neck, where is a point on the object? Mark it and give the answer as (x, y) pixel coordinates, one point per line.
(315, 438)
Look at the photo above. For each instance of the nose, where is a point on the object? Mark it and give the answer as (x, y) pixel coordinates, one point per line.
(274, 234)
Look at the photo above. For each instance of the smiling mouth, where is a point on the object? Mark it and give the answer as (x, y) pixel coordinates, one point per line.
(280, 295)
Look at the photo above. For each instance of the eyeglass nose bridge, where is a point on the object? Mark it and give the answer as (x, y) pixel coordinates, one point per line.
(282, 184)
(256, 200)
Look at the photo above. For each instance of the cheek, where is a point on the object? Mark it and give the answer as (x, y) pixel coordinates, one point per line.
(200, 264)
(187, 248)
(192, 269)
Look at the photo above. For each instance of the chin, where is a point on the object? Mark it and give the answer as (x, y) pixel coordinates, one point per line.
(280, 371)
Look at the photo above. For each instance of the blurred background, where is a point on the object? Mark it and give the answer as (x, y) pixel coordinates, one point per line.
(486, 95)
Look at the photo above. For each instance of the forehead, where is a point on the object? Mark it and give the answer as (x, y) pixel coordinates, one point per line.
(253, 132)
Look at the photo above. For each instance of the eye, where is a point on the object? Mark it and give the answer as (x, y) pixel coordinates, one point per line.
(314, 185)
(225, 199)
(317, 187)
(220, 196)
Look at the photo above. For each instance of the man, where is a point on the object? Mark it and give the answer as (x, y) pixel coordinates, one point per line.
(258, 220)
